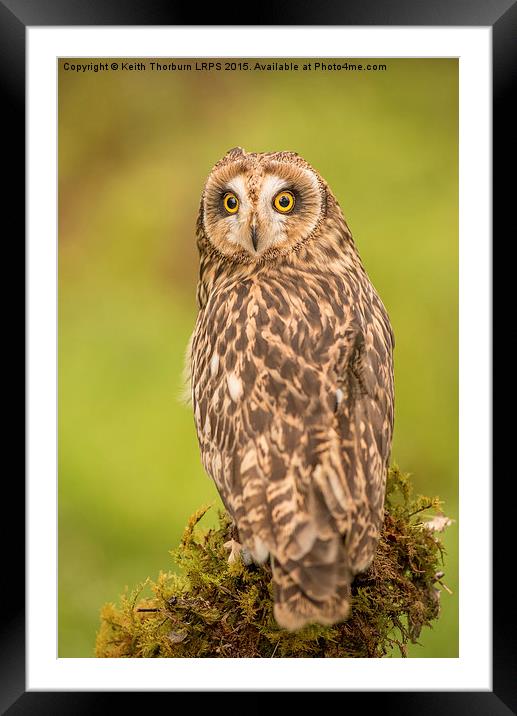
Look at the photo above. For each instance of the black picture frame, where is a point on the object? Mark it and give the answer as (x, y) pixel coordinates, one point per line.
(501, 16)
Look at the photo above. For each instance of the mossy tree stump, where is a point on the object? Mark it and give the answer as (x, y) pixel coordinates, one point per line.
(213, 608)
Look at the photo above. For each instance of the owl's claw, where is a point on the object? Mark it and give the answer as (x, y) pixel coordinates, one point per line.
(236, 550)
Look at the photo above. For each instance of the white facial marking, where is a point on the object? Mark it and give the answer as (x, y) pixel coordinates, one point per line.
(238, 186)
(271, 186)
(339, 396)
(214, 365)
(239, 230)
(234, 386)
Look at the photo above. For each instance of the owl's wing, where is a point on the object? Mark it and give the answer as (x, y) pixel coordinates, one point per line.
(337, 527)
(364, 415)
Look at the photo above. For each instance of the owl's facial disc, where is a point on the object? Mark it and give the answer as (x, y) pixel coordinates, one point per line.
(255, 207)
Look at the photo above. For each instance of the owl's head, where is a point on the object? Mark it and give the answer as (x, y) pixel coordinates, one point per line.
(258, 205)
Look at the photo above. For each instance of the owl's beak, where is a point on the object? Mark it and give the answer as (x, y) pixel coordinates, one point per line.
(254, 237)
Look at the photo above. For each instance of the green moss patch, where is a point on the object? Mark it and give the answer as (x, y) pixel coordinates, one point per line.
(213, 608)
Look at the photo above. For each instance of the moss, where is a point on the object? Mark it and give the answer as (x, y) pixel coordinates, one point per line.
(216, 608)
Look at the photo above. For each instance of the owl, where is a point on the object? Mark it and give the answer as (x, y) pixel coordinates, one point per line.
(291, 380)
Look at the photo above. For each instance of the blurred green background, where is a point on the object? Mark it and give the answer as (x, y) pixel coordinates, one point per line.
(134, 151)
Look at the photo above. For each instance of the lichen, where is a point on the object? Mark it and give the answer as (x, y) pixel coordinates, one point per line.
(213, 608)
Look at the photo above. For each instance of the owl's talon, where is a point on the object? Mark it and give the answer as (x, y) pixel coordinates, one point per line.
(236, 550)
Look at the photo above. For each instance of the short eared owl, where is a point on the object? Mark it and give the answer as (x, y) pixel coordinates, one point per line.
(292, 379)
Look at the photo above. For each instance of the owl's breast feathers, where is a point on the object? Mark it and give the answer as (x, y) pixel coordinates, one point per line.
(292, 387)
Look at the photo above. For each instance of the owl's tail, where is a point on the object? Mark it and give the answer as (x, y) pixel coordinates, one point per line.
(314, 589)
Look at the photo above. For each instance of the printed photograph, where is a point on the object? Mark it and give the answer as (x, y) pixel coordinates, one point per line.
(258, 357)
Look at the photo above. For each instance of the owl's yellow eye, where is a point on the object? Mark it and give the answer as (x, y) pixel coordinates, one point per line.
(284, 202)
(231, 203)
